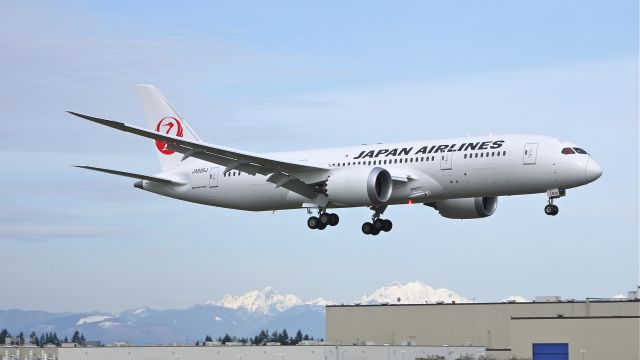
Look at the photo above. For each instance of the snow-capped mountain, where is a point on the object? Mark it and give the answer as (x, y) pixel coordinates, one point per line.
(414, 292)
(267, 301)
(239, 315)
(515, 298)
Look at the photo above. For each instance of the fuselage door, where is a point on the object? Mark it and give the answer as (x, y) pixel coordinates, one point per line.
(445, 161)
(213, 176)
(530, 153)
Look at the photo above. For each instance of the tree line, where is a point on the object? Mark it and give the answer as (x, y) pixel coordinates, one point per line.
(47, 338)
(263, 338)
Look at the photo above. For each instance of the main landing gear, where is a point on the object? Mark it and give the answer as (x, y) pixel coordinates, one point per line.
(323, 220)
(377, 225)
(550, 208)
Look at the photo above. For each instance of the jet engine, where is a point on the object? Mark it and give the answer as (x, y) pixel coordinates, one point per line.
(359, 186)
(467, 208)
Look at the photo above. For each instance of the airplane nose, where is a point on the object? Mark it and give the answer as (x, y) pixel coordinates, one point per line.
(592, 170)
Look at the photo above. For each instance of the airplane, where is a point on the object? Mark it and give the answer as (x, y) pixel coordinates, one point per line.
(461, 178)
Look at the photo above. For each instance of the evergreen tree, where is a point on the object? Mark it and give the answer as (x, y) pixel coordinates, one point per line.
(306, 337)
(66, 339)
(42, 340)
(76, 337)
(284, 337)
(82, 340)
(299, 336)
(34, 338)
(21, 339)
(3, 335)
(226, 339)
(197, 343)
(208, 338)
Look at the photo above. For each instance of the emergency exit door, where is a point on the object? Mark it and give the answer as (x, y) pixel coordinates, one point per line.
(213, 176)
(445, 161)
(530, 153)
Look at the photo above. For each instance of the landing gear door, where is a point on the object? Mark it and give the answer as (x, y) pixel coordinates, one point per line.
(445, 161)
(213, 176)
(530, 153)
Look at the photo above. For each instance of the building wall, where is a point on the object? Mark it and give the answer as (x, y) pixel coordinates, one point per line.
(599, 338)
(30, 353)
(312, 352)
(458, 324)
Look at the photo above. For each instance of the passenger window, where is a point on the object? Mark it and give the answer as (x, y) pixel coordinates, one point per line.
(493, 153)
(465, 156)
(498, 153)
(504, 153)
(369, 162)
(433, 158)
(481, 154)
(476, 155)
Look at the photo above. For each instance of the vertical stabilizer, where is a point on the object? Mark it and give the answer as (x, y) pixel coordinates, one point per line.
(162, 117)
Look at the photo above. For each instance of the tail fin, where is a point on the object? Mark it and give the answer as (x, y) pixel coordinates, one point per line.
(162, 117)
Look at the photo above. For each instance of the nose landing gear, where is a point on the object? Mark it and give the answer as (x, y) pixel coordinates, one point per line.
(378, 224)
(551, 209)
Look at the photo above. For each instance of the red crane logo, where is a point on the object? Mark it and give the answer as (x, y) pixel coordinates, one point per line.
(169, 126)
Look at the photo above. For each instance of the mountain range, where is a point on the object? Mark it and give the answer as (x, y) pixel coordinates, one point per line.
(240, 315)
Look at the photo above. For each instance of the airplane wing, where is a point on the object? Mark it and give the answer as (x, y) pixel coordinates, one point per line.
(297, 176)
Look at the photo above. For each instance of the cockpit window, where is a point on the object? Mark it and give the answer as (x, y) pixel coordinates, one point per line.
(568, 151)
(580, 151)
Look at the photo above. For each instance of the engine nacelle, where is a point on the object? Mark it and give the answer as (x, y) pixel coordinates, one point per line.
(359, 186)
(467, 208)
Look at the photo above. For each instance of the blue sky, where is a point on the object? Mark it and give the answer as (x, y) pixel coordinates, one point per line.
(271, 76)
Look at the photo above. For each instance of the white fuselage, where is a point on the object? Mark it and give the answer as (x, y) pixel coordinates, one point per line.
(493, 165)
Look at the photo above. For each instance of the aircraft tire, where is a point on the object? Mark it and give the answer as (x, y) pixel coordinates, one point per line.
(387, 225)
(334, 219)
(367, 228)
(548, 209)
(324, 218)
(313, 222)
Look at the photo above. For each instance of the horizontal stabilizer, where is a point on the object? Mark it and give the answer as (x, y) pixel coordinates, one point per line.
(133, 175)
